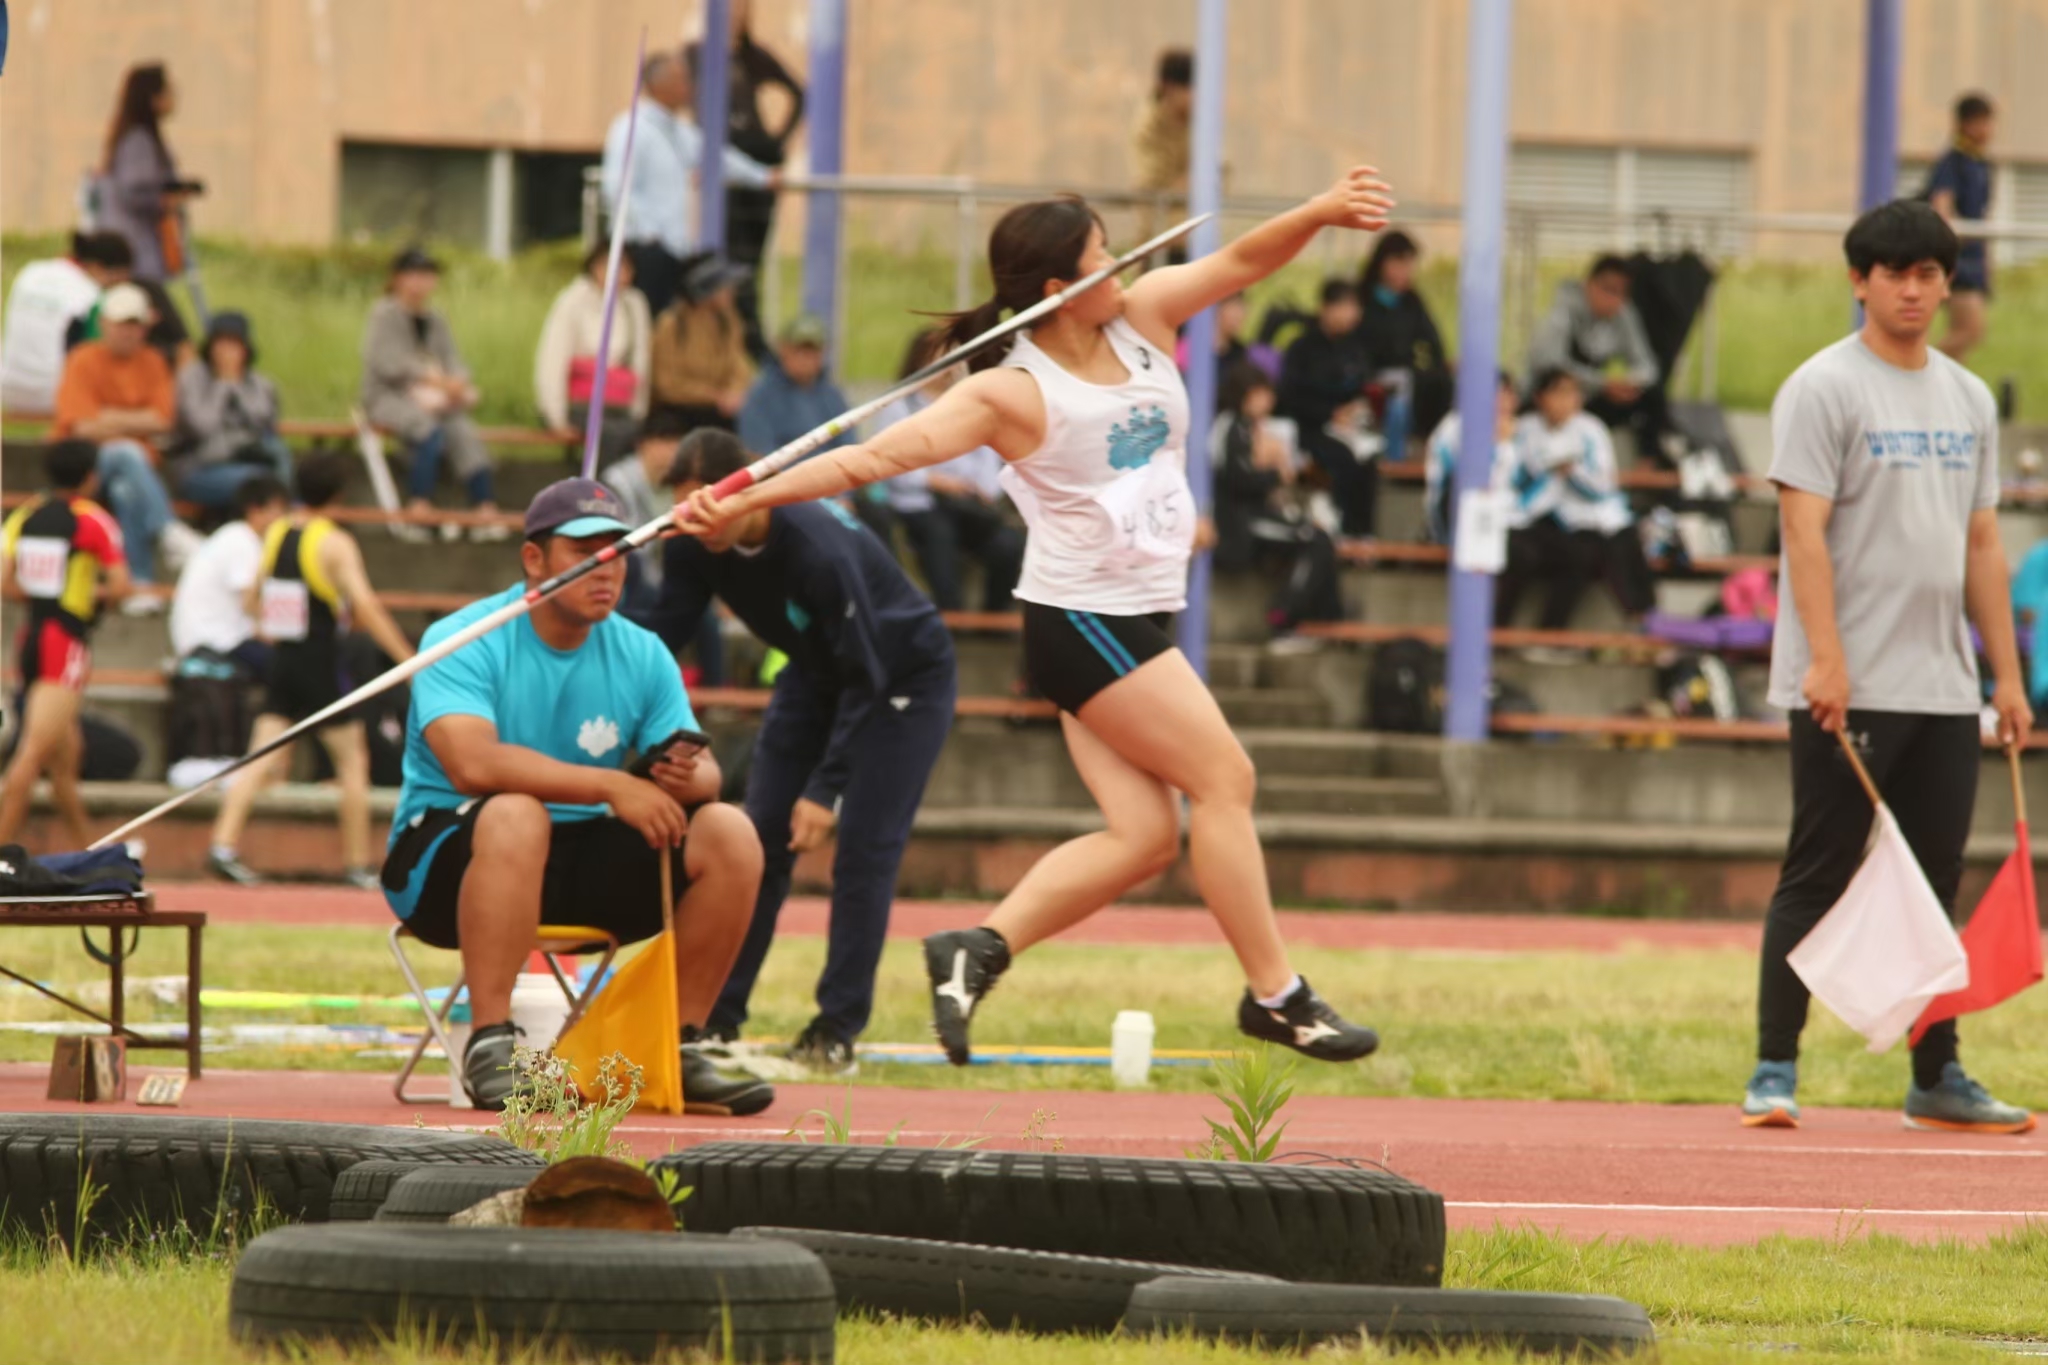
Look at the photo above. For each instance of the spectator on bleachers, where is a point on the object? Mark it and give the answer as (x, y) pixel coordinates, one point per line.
(642, 483)
(700, 368)
(1594, 333)
(661, 203)
(1260, 521)
(61, 557)
(313, 590)
(1567, 467)
(1322, 391)
(565, 368)
(1404, 353)
(46, 298)
(210, 608)
(140, 196)
(1232, 350)
(416, 386)
(793, 394)
(1160, 141)
(749, 210)
(1440, 475)
(2030, 615)
(954, 508)
(227, 419)
(118, 393)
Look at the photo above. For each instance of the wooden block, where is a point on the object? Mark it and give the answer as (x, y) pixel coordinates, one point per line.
(89, 1070)
(165, 1088)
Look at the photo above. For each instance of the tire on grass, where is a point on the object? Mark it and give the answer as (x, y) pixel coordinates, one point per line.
(624, 1293)
(362, 1189)
(1035, 1291)
(1332, 1224)
(433, 1194)
(1290, 1315)
(201, 1176)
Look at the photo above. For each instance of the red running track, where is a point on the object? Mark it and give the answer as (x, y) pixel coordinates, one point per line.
(1686, 1173)
(805, 915)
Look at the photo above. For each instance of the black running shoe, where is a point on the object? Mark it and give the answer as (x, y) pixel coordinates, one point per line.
(1308, 1026)
(963, 965)
(707, 1090)
(823, 1050)
(230, 868)
(487, 1071)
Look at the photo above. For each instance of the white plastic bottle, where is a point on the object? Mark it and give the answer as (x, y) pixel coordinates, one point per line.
(458, 1038)
(1130, 1049)
(540, 1009)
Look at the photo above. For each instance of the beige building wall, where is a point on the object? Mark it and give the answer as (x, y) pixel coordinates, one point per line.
(1013, 91)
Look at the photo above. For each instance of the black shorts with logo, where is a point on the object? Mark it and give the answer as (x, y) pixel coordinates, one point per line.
(599, 872)
(1072, 655)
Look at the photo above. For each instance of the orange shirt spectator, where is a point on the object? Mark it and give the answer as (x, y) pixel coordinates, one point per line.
(117, 386)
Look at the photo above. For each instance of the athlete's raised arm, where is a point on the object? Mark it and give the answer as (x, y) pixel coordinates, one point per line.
(1159, 303)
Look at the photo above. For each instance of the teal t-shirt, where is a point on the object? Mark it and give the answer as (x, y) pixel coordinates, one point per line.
(619, 691)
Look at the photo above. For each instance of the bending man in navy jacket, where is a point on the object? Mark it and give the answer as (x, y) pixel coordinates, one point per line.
(856, 723)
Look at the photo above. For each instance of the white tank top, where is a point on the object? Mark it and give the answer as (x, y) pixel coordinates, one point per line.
(1106, 495)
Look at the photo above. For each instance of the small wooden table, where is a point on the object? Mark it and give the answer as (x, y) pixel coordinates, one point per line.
(116, 912)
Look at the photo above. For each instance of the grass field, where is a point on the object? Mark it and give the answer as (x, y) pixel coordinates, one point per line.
(308, 308)
(1850, 1299)
(1631, 1026)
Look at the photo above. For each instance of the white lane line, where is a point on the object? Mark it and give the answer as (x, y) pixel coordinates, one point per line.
(1745, 1208)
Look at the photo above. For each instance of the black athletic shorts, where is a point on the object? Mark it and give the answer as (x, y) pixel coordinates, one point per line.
(304, 677)
(599, 873)
(1072, 655)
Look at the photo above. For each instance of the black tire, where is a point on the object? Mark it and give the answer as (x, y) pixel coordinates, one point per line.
(362, 1189)
(624, 1293)
(1303, 1314)
(1299, 1223)
(1036, 1291)
(203, 1176)
(433, 1194)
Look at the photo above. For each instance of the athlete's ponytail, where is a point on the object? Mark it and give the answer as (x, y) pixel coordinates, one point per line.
(1033, 245)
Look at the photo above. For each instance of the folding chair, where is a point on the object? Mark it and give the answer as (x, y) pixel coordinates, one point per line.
(554, 942)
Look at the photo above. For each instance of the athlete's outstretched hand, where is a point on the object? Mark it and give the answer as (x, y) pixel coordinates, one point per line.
(1360, 200)
(701, 514)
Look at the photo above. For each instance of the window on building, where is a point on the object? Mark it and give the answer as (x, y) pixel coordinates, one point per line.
(401, 192)
(1581, 199)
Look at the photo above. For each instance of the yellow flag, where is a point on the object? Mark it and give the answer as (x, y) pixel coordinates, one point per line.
(635, 1016)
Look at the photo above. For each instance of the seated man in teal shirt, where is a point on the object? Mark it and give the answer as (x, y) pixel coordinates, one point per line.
(517, 809)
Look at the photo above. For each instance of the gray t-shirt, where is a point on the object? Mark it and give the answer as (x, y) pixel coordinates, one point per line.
(1906, 456)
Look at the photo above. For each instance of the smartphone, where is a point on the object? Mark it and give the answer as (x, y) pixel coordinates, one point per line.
(694, 741)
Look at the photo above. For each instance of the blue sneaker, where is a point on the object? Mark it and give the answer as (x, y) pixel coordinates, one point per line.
(1960, 1105)
(1768, 1102)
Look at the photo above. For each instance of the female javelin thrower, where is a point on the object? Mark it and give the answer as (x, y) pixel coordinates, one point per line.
(1091, 417)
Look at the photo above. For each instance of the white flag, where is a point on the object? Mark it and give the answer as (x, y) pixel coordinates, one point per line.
(1886, 948)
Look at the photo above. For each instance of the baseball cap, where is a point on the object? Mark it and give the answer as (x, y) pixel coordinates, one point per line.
(414, 258)
(805, 329)
(125, 303)
(575, 507)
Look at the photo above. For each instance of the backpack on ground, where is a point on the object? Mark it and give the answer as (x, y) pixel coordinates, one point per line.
(1404, 690)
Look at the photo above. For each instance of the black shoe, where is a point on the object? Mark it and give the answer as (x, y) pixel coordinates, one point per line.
(1308, 1026)
(230, 868)
(707, 1090)
(823, 1050)
(487, 1071)
(963, 965)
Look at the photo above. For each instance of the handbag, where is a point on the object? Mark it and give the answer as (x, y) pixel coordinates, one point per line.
(619, 382)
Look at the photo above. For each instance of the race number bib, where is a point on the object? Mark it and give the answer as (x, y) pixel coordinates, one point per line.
(1151, 514)
(284, 609)
(40, 563)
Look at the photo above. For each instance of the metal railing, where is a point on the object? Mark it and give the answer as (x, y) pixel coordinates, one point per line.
(1717, 237)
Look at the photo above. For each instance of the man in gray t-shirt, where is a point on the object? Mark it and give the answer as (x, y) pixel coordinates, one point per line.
(1887, 469)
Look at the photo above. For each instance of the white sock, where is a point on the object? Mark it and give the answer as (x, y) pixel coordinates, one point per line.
(225, 852)
(1274, 1002)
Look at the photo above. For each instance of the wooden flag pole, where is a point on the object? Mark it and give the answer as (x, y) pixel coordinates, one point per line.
(1856, 762)
(2019, 791)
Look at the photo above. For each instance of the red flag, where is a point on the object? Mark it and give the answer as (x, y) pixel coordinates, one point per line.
(2003, 940)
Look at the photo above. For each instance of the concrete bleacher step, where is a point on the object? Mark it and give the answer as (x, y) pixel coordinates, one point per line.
(1341, 753)
(1359, 796)
(1272, 706)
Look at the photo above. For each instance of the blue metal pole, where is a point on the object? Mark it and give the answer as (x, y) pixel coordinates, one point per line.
(1479, 304)
(1205, 195)
(825, 107)
(714, 120)
(1881, 56)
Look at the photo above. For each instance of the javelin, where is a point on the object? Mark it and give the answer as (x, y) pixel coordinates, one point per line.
(594, 421)
(634, 539)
